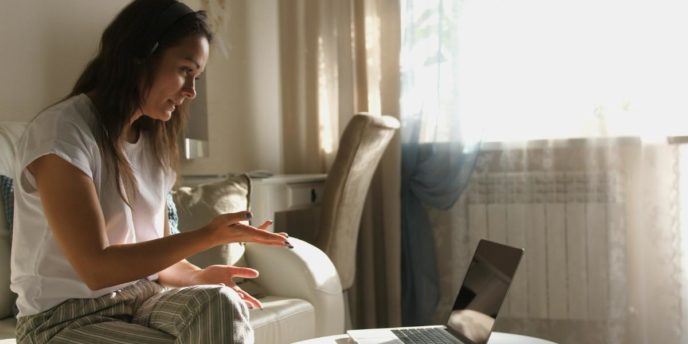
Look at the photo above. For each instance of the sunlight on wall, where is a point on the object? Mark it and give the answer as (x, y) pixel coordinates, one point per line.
(324, 107)
(372, 49)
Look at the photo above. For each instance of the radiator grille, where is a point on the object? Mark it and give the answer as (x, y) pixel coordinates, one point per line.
(564, 221)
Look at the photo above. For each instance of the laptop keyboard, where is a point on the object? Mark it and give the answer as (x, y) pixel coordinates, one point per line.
(425, 335)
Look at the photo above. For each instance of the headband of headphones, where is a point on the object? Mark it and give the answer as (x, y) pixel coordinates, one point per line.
(173, 13)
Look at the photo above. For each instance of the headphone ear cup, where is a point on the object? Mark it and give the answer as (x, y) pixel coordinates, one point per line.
(173, 13)
(141, 59)
(155, 47)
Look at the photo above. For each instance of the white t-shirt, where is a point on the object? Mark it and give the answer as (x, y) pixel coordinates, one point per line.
(41, 274)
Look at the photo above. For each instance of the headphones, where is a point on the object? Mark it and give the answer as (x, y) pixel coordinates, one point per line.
(173, 13)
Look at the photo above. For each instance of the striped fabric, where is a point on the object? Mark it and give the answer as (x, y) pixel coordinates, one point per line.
(144, 312)
(7, 194)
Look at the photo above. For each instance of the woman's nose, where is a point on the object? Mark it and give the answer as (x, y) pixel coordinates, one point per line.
(189, 88)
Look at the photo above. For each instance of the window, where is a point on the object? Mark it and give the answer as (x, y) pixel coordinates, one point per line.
(543, 69)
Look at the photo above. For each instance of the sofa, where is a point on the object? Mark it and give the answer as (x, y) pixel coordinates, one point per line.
(299, 288)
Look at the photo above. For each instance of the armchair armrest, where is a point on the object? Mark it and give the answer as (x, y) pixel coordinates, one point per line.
(304, 272)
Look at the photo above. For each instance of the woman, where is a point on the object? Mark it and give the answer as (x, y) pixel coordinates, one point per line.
(92, 250)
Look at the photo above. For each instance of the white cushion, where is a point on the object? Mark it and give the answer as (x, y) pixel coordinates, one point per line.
(283, 320)
(7, 329)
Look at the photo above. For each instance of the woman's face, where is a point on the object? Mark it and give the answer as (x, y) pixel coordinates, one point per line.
(175, 78)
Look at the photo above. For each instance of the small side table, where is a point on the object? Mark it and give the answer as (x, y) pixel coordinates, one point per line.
(495, 338)
(284, 193)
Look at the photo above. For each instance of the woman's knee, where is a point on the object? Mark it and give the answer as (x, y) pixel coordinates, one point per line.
(228, 314)
(185, 311)
(228, 298)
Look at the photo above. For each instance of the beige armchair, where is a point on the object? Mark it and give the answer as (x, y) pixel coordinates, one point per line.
(360, 149)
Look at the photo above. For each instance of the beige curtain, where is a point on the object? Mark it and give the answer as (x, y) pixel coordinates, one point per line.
(339, 58)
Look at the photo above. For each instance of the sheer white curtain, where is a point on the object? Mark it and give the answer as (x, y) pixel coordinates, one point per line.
(601, 226)
(576, 104)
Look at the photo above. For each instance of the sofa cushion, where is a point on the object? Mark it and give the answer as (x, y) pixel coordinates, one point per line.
(7, 198)
(7, 298)
(7, 328)
(283, 320)
(198, 205)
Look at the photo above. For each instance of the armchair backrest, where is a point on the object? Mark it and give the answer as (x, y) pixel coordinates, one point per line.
(360, 149)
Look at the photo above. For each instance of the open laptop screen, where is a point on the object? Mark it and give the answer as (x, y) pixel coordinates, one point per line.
(483, 290)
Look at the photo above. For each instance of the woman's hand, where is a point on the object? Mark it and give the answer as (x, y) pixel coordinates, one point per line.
(224, 274)
(228, 228)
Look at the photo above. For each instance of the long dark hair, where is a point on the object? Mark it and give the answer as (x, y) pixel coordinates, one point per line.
(121, 76)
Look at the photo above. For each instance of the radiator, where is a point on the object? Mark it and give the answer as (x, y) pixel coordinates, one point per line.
(565, 222)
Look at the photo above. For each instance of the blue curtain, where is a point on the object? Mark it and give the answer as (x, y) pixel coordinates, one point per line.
(436, 159)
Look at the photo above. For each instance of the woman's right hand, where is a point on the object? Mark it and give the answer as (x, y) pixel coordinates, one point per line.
(228, 228)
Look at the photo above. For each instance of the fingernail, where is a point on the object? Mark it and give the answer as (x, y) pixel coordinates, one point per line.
(249, 215)
(287, 244)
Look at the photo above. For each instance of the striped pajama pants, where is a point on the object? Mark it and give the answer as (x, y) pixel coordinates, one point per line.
(144, 312)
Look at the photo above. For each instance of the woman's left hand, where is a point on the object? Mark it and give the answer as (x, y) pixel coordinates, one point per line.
(224, 274)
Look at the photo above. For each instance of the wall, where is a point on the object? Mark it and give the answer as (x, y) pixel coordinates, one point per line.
(44, 49)
(46, 44)
(243, 92)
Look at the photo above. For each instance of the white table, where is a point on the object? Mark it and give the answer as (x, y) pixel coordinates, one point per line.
(495, 338)
(284, 193)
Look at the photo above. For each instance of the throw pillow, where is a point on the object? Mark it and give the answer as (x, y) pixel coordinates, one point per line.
(197, 205)
(172, 217)
(7, 195)
(7, 297)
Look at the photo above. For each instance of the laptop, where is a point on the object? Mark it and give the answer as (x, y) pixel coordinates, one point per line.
(475, 310)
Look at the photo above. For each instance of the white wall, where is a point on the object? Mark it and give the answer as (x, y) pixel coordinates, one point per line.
(244, 103)
(46, 44)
